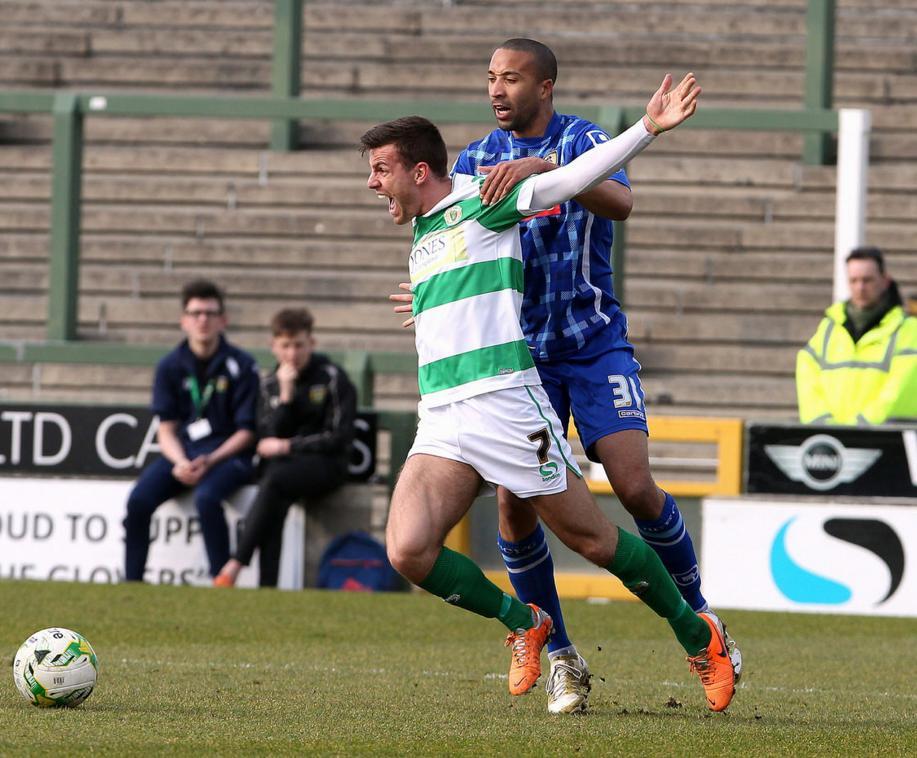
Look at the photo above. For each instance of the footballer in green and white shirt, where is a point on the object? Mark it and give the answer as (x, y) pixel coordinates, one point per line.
(466, 277)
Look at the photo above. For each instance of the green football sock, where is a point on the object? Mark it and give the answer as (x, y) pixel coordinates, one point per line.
(458, 580)
(639, 568)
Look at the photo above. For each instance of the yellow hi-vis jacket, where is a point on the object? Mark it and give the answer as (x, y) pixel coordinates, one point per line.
(868, 382)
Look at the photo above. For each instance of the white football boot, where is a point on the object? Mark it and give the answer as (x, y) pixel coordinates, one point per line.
(568, 685)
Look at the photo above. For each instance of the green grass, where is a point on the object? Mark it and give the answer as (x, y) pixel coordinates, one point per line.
(239, 672)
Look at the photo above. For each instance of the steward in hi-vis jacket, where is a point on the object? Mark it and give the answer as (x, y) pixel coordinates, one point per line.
(860, 367)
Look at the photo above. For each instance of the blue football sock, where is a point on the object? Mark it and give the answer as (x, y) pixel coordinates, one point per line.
(669, 538)
(531, 572)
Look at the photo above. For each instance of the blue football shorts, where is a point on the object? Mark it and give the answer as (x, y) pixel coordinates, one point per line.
(601, 386)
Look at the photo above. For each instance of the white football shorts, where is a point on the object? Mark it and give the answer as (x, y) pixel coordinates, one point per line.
(511, 437)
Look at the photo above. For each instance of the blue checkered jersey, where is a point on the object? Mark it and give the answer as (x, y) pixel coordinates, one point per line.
(569, 295)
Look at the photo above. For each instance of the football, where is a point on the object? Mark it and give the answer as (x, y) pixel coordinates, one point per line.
(55, 667)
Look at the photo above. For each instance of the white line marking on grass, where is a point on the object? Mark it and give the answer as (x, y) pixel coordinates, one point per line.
(746, 685)
(743, 685)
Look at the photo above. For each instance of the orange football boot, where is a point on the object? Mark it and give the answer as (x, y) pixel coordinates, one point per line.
(526, 644)
(715, 668)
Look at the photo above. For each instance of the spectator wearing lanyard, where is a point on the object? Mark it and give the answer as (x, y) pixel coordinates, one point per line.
(205, 394)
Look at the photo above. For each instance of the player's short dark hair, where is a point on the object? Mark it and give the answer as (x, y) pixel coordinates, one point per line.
(416, 139)
(868, 254)
(291, 321)
(201, 289)
(545, 62)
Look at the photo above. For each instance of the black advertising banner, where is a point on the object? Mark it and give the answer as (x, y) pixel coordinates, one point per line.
(112, 441)
(826, 460)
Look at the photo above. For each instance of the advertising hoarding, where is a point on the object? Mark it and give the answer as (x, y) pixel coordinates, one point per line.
(71, 530)
(799, 459)
(819, 557)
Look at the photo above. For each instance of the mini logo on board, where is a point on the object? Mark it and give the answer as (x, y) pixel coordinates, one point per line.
(821, 462)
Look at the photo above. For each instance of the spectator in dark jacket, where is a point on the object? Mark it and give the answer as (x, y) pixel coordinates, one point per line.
(305, 424)
(205, 394)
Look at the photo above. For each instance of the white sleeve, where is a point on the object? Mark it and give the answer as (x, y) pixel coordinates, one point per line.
(460, 181)
(585, 172)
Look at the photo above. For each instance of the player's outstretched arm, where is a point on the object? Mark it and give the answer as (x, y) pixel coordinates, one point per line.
(666, 109)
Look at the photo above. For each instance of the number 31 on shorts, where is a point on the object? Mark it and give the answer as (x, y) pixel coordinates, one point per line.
(625, 390)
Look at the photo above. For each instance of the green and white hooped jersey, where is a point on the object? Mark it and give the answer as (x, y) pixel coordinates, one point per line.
(466, 276)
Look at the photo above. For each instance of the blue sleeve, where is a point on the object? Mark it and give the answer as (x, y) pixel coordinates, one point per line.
(589, 137)
(166, 393)
(245, 398)
(463, 164)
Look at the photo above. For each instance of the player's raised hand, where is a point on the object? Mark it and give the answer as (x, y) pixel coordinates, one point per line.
(407, 299)
(668, 107)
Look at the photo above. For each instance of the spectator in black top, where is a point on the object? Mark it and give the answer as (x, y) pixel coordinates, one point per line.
(205, 394)
(305, 425)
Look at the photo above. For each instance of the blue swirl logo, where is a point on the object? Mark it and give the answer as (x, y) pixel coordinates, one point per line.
(803, 586)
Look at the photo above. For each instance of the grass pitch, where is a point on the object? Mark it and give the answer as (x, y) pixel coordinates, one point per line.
(241, 672)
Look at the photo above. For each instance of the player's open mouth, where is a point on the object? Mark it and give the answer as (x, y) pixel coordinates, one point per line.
(500, 110)
(391, 202)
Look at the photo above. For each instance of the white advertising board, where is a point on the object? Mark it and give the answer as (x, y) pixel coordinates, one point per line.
(71, 530)
(810, 557)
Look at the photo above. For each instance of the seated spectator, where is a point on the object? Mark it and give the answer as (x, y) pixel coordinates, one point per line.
(305, 423)
(205, 393)
(860, 367)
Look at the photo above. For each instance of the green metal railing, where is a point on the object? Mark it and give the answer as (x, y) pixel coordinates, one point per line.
(819, 92)
(287, 68)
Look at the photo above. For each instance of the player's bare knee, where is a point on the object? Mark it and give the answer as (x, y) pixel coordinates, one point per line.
(412, 561)
(403, 562)
(641, 498)
(596, 551)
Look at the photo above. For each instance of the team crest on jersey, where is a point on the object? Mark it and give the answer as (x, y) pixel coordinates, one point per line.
(597, 137)
(453, 215)
(317, 393)
(551, 157)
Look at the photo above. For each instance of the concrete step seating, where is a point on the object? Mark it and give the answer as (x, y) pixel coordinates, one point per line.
(211, 45)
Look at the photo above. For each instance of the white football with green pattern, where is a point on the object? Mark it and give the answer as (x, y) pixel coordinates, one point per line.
(55, 667)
